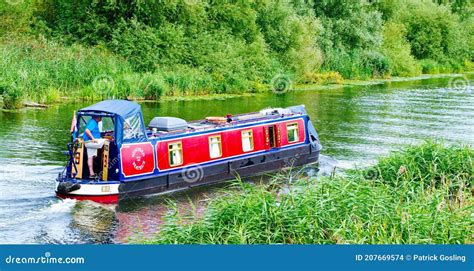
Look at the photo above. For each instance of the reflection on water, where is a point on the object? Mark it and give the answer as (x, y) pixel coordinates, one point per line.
(142, 218)
(95, 222)
(356, 125)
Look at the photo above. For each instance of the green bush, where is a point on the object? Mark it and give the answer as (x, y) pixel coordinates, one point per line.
(358, 64)
(398, 51)
(147, 48)
(463, 8)
(351, 38)
(290, 36)
(374, 64)
(429, 66)
(15, 19)
(429, 164)
(468, 26)
(236, 43)
(434, 32)
(153, 87)
(86, 21)
(342, 62)
(12, 97)
(349, 25)
(137, 43)
(323, 78)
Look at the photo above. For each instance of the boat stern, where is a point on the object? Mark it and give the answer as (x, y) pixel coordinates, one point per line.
(98, 191)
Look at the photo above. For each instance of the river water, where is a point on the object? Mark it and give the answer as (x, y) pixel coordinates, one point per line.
(356, 125)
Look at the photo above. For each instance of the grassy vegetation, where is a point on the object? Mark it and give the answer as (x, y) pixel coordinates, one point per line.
(43, 71)
(419, 195)
(149, 49)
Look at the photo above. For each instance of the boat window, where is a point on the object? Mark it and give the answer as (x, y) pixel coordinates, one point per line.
(247, 140)
(215, 146)
(292, 131)
(175, 153)
(132, 128)
(106, 126)
(82, 124)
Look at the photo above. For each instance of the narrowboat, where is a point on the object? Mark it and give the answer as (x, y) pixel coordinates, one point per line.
(131, 159)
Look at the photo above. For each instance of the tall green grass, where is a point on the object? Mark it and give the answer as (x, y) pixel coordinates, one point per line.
(420, 195)
(46, 72)
(429, 165)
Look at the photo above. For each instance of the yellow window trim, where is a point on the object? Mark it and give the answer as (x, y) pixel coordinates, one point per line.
(218, 142)
(247, 136)
(288, 129)
(179, 148)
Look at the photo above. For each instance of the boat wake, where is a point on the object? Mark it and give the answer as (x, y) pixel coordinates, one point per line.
(59, 207)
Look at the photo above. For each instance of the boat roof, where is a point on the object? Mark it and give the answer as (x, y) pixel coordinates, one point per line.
(122, 108)
(126, 109)
(237, 120)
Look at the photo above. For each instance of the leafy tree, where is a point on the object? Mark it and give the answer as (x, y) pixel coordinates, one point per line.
(350, 24)
(290, 36)
(352, 30)
(434, 32)
(396, 47)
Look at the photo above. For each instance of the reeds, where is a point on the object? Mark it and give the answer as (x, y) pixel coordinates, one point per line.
(45, 71)
(421, 195)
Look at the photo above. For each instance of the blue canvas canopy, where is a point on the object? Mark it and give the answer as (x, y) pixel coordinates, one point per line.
(128, 118)
(123, 108)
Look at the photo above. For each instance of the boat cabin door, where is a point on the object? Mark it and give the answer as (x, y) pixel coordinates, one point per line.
(272, 136)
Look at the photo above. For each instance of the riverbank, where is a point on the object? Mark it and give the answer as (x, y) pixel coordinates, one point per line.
(421, 195)
(461, 80)
(358, 83)
(50, 50)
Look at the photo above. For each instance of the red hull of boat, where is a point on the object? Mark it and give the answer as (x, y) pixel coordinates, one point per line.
(107, 199)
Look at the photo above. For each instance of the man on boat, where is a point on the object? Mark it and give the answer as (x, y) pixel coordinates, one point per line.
(93, 142)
